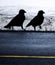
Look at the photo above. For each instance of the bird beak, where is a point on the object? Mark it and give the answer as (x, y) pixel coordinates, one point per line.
(25, 12)
(43, 12)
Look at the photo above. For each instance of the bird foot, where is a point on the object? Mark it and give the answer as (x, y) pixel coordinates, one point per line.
(24, 29)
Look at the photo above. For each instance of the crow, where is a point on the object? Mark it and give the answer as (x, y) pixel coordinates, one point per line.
(37, 20)
(17, 20)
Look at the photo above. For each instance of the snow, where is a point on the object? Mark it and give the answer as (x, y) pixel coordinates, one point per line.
(8, 12)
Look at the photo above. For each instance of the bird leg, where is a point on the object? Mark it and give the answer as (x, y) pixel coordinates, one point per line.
(40, 27)
(22, 27)
(12, 28)
(34, 28)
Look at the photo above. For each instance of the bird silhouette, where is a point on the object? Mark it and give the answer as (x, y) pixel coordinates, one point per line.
(37, 20)
(17, 20)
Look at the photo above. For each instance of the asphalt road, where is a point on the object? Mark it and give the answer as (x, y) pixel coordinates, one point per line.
(27, 43)
(29, 61)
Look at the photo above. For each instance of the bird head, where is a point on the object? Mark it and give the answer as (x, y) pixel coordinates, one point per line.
(22, 11)
(41, 12)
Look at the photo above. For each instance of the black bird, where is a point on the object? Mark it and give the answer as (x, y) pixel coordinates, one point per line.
(17, 20)
(37, 20)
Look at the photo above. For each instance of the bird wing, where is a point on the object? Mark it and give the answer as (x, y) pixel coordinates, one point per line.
(13, 21)
(32, 21)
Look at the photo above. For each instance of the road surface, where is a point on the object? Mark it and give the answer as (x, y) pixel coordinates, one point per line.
(27, 43)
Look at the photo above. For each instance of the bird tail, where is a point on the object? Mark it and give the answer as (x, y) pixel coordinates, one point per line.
(28, 25)
(7, 26)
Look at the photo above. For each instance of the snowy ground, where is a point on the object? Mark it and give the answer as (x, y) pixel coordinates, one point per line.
(7, 13)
